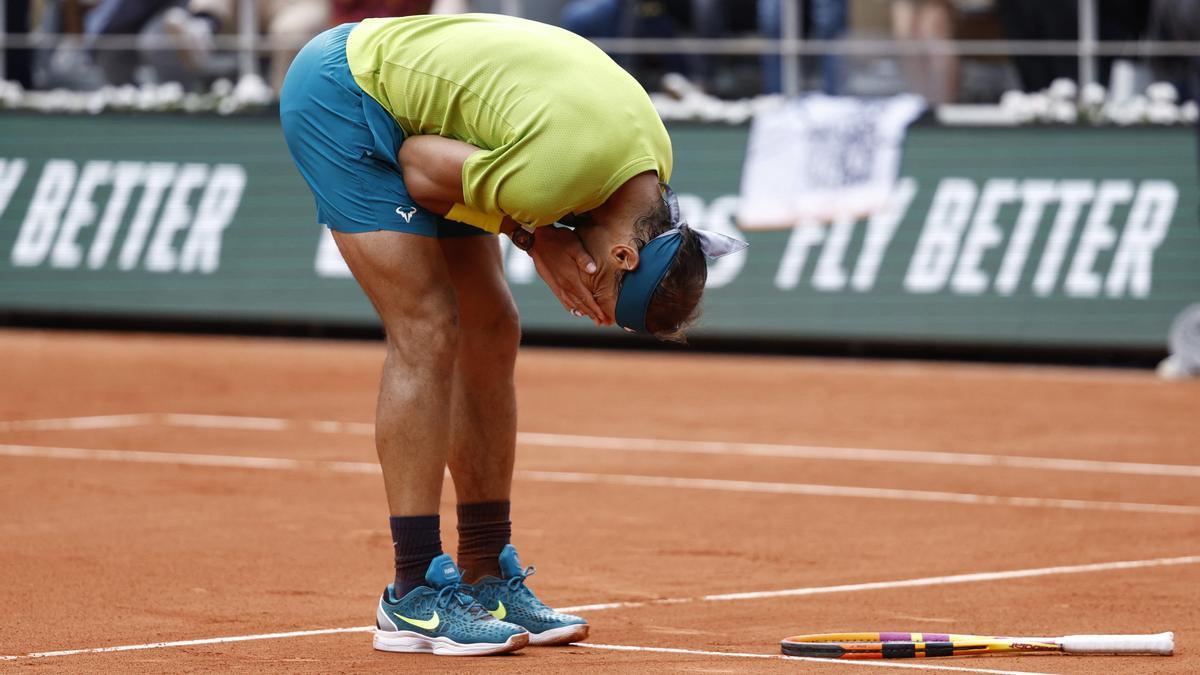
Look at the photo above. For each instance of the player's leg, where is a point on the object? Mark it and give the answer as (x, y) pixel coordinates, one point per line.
(408, 282)
(483, 424)
(483, 443)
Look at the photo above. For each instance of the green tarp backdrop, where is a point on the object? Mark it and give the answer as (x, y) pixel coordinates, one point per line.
(1035, 236)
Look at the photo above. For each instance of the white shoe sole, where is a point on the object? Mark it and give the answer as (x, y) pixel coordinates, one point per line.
(559, 636)
(404, 641)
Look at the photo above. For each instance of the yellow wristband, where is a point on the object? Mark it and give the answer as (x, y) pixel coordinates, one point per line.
(484, 221)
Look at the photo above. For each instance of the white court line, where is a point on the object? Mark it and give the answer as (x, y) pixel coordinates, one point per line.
(974, 577)
(811, 490)
(855, 454)
(366, 629)
(189, 459)
(782, 657)
(815, 590)
(227, 422)
(727, 448)
(88, 422)
(780, 450)
(992, 371)
(265, 423)
(190, 643)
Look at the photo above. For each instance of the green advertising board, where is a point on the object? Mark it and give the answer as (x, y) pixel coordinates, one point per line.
(1017, 236)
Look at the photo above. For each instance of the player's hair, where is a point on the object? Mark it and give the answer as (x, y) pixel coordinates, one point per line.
(675, 306)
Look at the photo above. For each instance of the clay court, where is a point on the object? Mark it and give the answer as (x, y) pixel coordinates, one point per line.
(213, 493)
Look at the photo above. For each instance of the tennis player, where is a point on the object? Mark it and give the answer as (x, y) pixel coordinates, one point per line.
(422, 138)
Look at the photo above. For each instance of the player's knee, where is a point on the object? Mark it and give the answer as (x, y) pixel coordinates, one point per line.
(498, 332)
(426, 338)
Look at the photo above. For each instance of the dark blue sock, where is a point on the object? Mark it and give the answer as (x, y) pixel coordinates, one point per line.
(417, 540)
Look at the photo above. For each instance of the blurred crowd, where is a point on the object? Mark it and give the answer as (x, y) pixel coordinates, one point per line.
(170, 40)
(195, 42)
(925, 65)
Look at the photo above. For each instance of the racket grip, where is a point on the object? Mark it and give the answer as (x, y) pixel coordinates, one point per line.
(1161, 643)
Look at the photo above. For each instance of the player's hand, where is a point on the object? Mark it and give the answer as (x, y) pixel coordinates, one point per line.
(567, 268)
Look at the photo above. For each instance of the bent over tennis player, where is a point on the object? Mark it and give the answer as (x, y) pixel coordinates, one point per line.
(422, 138)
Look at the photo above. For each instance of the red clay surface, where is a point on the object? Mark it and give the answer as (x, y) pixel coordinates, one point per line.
(124, 551)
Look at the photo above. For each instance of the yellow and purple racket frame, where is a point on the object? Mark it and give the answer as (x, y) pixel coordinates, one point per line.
(905, 645)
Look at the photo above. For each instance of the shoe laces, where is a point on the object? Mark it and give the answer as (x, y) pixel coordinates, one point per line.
(516, 584)
(517, 581)
(453, 593)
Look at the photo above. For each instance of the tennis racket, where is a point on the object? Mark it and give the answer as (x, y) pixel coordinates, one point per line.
(927, 645)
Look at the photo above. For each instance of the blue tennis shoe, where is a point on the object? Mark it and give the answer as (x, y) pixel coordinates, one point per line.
(509, 599)
(442, 618)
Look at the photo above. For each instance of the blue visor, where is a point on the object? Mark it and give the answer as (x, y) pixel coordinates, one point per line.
(639, 284)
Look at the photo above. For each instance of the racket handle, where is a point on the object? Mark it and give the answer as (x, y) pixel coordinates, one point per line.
(1161, 643)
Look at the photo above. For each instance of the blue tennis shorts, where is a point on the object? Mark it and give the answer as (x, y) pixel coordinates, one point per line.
(345, 145)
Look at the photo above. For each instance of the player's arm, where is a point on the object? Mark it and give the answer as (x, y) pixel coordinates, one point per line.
(432, 168)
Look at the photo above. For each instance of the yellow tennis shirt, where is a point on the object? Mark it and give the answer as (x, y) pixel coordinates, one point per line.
(560, 124)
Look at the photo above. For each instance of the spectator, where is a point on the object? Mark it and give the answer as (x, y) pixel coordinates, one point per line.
(825, 20)
(630, 18)
(287, 22)
(121, 17)
(76, 60)
(1059, 20)
(349, 11)
(598, 18)
(1172, 20)
(1179, 20)
(1041, 20)
(449, 7)
(931, 73)
(62, 62)
(708, 19)
(83, 64)
(18, 62)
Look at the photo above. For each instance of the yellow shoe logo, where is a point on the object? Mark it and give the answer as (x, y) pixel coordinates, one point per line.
(500, 612)
(427, 624)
